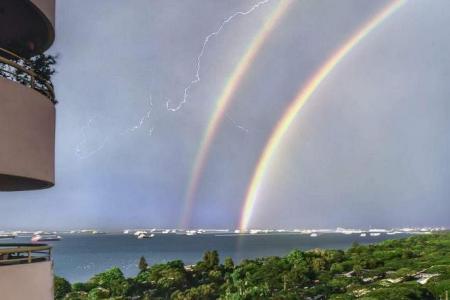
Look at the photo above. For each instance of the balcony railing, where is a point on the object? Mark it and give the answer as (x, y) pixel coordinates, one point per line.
(13, 254)
(18, 69)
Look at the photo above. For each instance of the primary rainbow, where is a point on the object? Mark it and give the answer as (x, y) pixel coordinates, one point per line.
(223, 102)
(299, 101)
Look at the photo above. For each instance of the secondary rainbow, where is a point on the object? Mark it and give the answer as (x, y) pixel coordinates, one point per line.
(299, 101)
(223, 103)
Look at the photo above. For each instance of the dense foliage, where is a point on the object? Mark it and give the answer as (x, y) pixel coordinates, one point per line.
(42, 65)
(413, 268)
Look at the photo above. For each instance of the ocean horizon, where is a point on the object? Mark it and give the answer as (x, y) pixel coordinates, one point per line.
(77, 257)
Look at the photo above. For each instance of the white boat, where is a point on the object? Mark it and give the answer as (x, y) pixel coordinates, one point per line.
(7, 236)
(98, 232)
(191, 232)
(363, 234)
(139, 232)
(393, 232)
(313, 234)
(23, 233)
(145, 236)
(45, 237)
(375, 234)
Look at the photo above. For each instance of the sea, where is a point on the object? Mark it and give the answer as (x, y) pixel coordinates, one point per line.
(77, 257)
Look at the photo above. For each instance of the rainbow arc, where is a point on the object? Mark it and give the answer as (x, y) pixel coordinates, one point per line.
(224, 101)
(298, 103)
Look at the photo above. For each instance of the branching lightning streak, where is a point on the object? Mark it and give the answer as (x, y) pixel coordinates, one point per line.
(142, 120)
(178, 106)
(79, 148)
(202, 51)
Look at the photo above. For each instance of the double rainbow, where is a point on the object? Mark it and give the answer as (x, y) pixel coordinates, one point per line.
(223, 103)
(299, 101)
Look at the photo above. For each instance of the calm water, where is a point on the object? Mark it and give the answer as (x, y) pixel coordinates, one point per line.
(78, 257)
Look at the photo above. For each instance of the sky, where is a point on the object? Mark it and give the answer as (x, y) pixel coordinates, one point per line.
(370, 149)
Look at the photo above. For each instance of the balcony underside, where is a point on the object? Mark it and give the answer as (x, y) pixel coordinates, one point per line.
(27, 27)
(27, 137)
(18, 183)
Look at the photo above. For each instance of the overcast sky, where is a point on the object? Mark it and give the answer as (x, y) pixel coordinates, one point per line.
(371, 147)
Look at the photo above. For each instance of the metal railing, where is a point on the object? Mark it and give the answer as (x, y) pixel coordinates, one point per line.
(19, 70)
(13, 254)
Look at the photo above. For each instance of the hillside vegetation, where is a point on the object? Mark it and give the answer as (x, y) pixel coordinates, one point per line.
(417, 267)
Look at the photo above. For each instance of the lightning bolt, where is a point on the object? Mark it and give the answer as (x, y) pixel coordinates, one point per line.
(202, 52)
(84, 140)
(79, 148)
(79, 152)
(142, 120)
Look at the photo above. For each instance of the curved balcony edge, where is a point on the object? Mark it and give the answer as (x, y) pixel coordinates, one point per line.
(22, 253)
(27, 27)
(27, 138)
(20, 70)
(15, 183)
(47, 10)
(27, 280)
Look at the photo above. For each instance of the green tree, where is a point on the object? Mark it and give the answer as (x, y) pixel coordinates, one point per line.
(83, 287)
(61, 287)
(228, 264)
(336, 268)
(211, 259)
(202, 292)
(76, 296)
(164, 278)
(42, 65)
(98, 293)
(143, 265)
(112, 280)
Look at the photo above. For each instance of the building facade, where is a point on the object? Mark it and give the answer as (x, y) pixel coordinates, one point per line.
(27, 102)
(27, 135)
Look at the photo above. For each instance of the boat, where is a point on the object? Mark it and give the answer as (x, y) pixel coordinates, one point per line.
(22, 233)
(375, 233)
(98, 232)
(139, 232)
(7, 236)
(393, 232)
(363, 234)
(145, 236)
(313, 234)
(45, 237)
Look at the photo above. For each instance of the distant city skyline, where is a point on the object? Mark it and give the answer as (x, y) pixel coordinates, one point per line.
(369, 149)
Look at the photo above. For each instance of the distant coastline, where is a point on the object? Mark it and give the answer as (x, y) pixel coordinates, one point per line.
(340, 230)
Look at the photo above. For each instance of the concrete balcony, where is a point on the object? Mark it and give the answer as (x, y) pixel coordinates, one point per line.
(27, 128)
(27, 26)
(26, 272)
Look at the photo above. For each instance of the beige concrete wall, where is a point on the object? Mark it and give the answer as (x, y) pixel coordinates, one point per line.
(27, 136)
(48, 8)
(27, 281)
